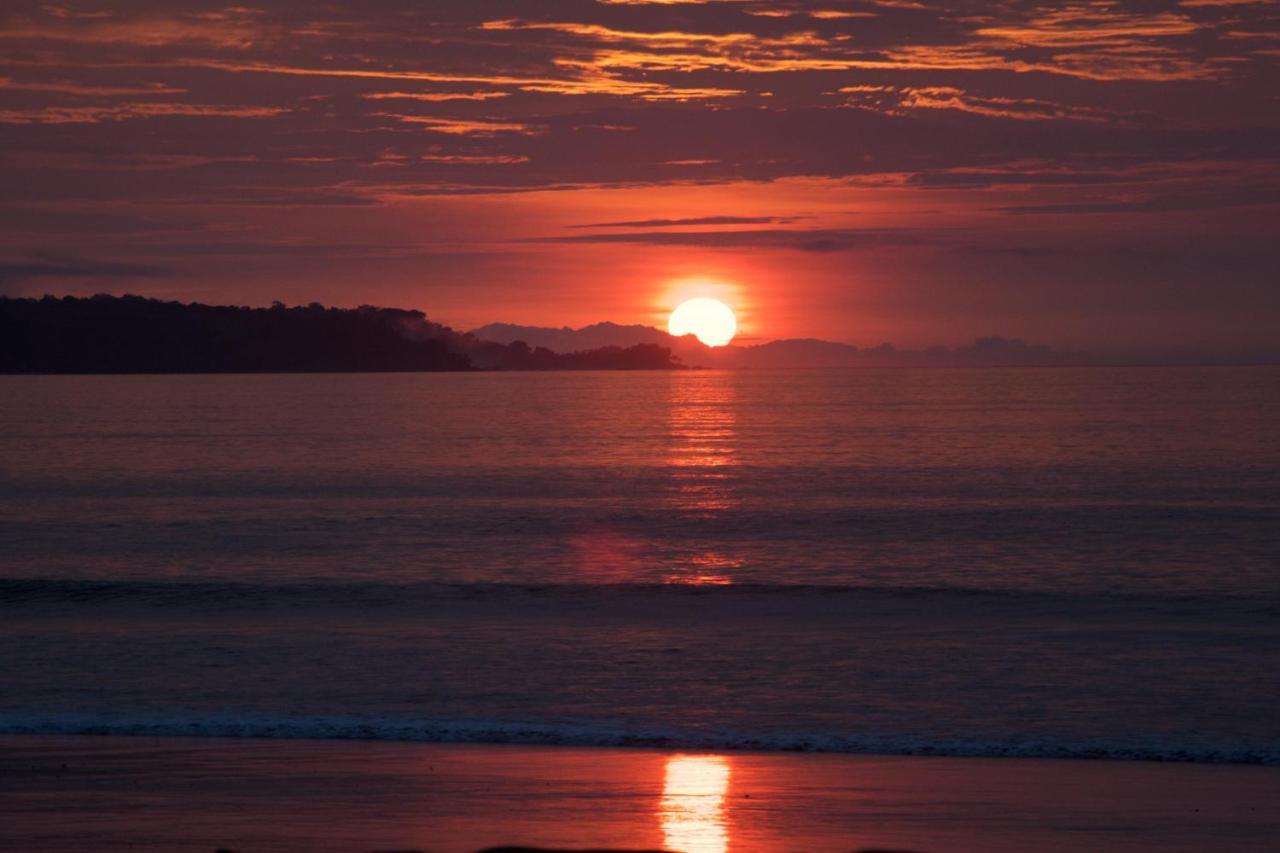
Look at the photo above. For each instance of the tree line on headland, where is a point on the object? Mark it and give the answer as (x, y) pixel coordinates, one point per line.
(132, 334)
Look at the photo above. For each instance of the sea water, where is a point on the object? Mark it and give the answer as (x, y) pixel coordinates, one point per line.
(1053, 562)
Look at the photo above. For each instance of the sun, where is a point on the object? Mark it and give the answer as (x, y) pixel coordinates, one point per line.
(710, 320)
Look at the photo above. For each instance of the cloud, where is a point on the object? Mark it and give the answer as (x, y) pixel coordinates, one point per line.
(1151, 63)
(56, 265)
(599, 33)
(1076, 25)
(464, 127)
(698, 220)
(64, 87)
(127, 111)
(896, 100)
(1027, 175)
(1020, 109)
(1162, 203)
(590, 80)
(34, 220)
(475, 159)
(435, 96)
(225, 31)
(803, 240)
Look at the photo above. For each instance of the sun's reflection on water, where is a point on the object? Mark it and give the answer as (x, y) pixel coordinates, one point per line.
(707, 569)
(701, 459)
(693, 804)
(703, 431)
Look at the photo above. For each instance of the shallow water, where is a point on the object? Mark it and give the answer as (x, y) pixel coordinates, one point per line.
(991, 562)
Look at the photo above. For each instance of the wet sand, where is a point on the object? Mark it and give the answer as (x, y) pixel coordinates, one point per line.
(178, 794)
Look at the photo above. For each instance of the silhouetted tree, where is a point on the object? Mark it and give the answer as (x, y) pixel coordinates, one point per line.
(130, 334)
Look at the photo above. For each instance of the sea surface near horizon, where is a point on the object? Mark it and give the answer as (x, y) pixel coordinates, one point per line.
(1061, 562)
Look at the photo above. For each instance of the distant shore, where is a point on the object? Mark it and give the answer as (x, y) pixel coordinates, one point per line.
(132, 335)
(178, 794)
(111, 335)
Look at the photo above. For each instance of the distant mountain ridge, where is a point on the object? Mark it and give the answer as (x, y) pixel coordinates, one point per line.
(566, 339)
(993, 351)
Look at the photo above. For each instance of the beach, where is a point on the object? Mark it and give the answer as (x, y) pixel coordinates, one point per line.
(203, 794)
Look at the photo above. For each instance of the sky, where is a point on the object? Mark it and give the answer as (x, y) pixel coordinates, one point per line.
(1099, 176)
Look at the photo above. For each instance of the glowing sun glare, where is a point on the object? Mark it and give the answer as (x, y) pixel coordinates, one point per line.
(710, 320)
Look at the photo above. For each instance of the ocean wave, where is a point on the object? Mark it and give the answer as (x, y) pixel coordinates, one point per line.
(597, 735)
(31, 596)
(29, 590)
(52, 597)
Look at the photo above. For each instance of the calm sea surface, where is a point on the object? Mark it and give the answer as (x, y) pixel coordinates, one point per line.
(995, 562)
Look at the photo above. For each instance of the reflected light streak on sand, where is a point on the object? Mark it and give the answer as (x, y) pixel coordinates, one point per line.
(692, 810)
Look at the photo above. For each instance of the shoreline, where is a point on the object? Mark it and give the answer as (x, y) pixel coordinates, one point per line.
(169, 793)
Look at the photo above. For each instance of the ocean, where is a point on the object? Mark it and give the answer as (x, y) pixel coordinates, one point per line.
(1023, 562)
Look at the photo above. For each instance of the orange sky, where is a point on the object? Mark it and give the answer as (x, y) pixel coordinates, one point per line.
(1098, 175)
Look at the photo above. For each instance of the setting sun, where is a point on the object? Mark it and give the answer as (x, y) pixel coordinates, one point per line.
(710, 320)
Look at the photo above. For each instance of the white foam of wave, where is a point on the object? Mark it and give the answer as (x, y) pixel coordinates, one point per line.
(575, 734)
